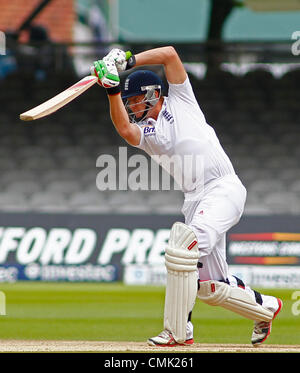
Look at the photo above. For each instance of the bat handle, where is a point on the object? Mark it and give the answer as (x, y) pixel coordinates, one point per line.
(130, 58)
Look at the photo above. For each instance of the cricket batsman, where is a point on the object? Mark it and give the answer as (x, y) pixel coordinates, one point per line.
(214, 196)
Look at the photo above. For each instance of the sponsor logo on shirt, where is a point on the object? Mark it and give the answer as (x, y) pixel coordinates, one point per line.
(149, 130)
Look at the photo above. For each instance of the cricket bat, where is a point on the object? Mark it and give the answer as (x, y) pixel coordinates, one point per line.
(60, 100)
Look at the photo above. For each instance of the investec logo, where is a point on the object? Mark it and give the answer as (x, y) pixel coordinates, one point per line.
(2, 43)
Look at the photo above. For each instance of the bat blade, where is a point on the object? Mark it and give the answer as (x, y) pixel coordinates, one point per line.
(60, 100)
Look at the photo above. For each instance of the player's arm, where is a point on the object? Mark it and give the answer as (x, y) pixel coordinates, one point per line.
(166, 56)
(108, 77)
(129, 131)
(169, 58)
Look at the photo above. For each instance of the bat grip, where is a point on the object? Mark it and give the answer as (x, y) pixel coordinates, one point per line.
(130, 58)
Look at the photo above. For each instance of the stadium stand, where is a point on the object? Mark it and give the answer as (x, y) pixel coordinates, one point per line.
(50, 165)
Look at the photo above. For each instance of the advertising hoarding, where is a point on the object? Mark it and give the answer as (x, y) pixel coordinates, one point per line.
(263, 251)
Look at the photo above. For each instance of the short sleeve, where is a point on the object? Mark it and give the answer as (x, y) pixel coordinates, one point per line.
(183, 91)
(183, 95)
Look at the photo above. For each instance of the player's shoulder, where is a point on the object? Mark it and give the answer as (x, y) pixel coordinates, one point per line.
(183, 92)
(181, 88)
(185, 82)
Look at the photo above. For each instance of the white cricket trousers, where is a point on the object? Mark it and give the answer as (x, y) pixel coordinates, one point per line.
(219, 209)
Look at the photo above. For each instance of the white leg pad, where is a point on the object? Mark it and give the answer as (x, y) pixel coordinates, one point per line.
(216, 293)
(181, 259)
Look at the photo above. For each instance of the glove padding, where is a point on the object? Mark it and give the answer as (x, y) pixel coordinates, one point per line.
(106, 72)
(119, 57)
(107, 69)
(123, 60)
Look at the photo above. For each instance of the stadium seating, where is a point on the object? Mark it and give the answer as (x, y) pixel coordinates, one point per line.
(50, 164)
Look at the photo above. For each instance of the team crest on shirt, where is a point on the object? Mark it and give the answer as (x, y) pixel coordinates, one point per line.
(168, 116)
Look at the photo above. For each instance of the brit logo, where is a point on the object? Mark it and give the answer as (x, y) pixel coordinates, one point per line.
(149, 130)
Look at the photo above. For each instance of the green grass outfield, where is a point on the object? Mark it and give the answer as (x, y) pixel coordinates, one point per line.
(116, 312)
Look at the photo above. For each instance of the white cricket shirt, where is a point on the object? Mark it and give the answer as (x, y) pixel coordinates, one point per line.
(187, 141)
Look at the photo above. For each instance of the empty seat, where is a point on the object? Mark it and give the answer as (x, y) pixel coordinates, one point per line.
(54, 141)
(17, 174)
(86, 201)
(30, 151)
(280, 162)
(289, 174)
(67, 152)
(291, 139)
(282, 203)
(165, 201)
(254, 205)
(244, 162)
(78, 162)
(26, 187)
(14, 140)
(238, 150)
(38, 163)
(168, 209)
(128, 208)
(270, 150)
(128, 202)
(7, 164)
(250, 175)
(264, 186)
(295, 187)
(134, 199)
(13, 201)
(49, 202)
(88, 140)
(88, 179)
(50, 175)
(257, 209)
(63, 186)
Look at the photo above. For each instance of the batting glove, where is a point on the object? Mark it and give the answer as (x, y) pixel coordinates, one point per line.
(123, 60)
(106, 72)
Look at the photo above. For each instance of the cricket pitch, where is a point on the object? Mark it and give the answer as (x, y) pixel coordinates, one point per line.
(112, 346)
